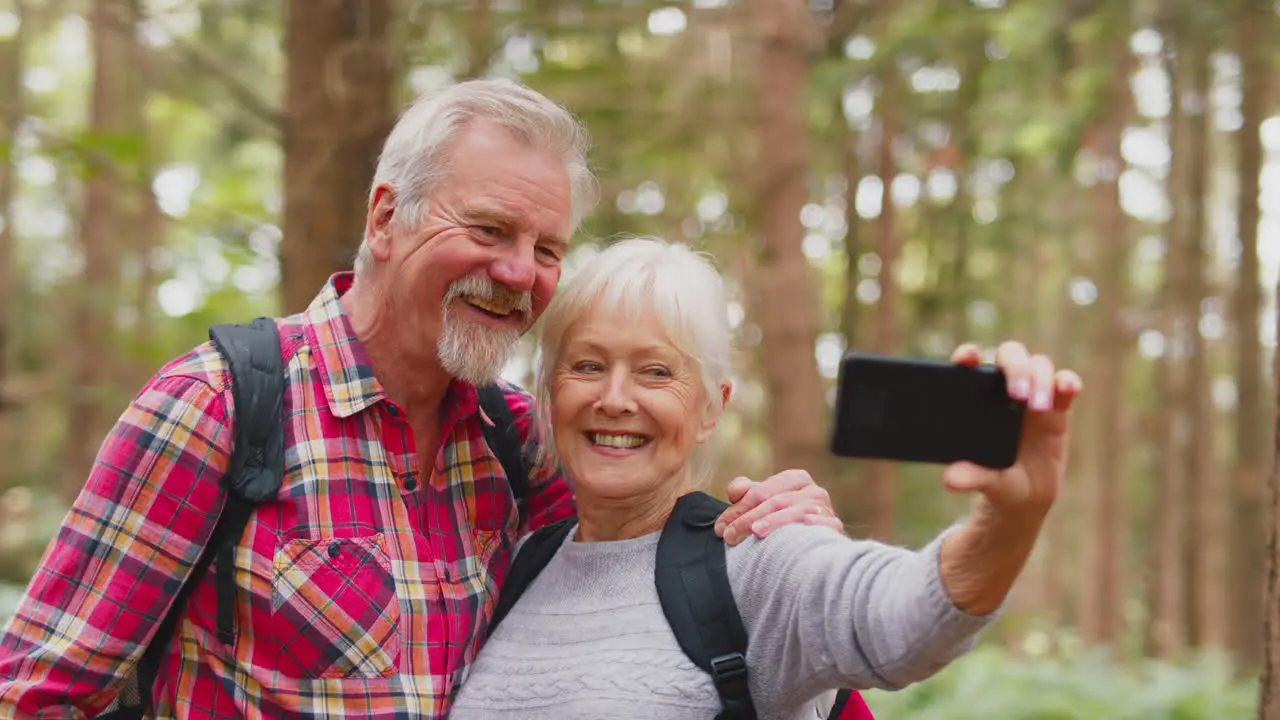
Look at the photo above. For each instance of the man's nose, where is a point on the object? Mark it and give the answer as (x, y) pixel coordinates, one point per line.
(516, 267)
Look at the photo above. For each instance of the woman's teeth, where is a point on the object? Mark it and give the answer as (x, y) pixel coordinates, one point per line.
(625, 442)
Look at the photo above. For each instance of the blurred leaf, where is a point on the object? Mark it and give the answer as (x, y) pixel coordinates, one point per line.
(991, 683)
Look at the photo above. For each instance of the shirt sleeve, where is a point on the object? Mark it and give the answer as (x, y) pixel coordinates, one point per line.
(823, 611)
(121, 554)
(550, 499)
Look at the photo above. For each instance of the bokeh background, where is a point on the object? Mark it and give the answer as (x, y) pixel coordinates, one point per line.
(1097, 178)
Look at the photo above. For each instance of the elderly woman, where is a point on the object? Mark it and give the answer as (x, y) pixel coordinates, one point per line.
(634, 376)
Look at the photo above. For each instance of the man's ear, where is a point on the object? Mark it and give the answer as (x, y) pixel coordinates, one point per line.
(377, 228)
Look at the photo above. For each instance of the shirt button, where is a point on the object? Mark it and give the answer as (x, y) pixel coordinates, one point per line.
(393, 411)
(410, 482)
(335, 549)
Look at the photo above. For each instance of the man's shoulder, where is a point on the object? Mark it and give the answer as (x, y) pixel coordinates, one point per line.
(203, 363)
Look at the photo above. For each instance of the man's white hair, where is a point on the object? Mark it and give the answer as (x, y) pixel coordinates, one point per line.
(684, 291)
(414, 157)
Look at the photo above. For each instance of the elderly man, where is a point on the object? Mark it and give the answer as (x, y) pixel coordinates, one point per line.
(362, 586)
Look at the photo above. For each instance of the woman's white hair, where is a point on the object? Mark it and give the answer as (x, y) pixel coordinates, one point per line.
(414, 157)
(684, 291)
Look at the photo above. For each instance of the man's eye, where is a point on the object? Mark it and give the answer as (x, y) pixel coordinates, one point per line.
(489, 230)
(548, 252)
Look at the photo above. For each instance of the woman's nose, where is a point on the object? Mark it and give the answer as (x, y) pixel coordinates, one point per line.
(615, 396)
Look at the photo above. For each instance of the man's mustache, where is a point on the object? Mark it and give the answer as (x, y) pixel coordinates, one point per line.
(481, 287)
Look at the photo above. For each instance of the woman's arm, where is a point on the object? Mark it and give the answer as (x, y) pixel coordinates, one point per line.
(824, 611)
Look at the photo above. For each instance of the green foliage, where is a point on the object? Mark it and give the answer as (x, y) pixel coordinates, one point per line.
(991, 683)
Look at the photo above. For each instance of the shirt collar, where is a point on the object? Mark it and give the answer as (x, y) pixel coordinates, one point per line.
(345, 372)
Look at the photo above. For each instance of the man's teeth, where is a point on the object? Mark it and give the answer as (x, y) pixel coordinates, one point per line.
(617, 441)
(489, 306)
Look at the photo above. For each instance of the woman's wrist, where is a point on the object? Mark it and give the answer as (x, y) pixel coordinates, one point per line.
(980, 561)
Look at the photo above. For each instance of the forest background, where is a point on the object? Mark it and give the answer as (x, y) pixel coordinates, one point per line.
(1099, 179)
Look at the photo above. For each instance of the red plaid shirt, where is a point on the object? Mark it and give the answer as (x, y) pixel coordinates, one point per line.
(364, 588)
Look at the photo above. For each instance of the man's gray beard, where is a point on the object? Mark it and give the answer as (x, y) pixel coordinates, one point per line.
(474, 352)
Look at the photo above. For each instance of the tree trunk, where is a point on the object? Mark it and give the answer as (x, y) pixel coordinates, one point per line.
(1207, 492)
(1269, 683)
(1102, 622)
(337, 114)
(881, 475)
(12, 66)
(960, 212)
(1166, 631)
(479, 39)
(11, 72)
(1060, 549)
(1247, 562)
(785, 297)
(94, 364)
(846, 489)
(851, 312)
(143, 217)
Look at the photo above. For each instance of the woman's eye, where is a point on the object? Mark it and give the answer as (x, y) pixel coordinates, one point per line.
(658, 371)
(548, 253)
(587, 366)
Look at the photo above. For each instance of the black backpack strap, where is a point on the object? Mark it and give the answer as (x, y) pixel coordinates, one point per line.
(693, 588)
(534, 555)
(841, 704)
(254, 474)
(257, 466)
(503, 439)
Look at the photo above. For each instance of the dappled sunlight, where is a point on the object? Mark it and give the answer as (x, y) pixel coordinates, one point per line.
(892, 180)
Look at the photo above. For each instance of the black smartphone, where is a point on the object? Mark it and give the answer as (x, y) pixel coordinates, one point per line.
(926, 411)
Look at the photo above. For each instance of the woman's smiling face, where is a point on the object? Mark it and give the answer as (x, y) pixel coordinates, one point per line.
(627, 406)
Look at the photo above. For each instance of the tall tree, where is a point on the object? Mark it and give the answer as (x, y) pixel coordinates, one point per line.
(140, 210)
(1207, 495)
(1102, 618)
(94, 364)
(337, 114)
(784, 287)
(1269, 683)
(1167, 630)
(881, 475)
(1253, 20)
(11, 71)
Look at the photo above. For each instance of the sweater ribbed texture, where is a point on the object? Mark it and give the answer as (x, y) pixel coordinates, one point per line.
(588, 638)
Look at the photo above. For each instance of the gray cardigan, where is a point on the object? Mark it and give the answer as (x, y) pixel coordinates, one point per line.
(588, 638)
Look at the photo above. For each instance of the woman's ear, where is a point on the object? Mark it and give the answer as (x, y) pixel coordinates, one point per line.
(714, 411)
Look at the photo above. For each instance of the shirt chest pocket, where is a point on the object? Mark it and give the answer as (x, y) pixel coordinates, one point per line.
(334, 608)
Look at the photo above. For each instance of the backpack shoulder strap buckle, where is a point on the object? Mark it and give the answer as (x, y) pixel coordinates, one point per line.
(728, 669)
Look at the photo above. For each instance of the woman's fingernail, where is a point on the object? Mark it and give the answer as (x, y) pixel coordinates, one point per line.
(1042, 401)
(761, 527)
(729, 535)
(1022, 388)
